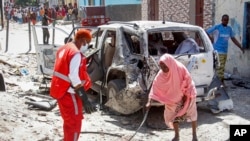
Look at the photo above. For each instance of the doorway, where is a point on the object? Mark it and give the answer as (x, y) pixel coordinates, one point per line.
(246, 36)
(199, 12)
(153, 10)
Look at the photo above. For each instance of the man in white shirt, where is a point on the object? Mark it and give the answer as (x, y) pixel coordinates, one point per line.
(69, 84)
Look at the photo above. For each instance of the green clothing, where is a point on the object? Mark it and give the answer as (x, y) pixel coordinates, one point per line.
(220, 70)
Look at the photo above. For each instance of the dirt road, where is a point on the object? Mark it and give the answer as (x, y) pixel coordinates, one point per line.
(18, 123)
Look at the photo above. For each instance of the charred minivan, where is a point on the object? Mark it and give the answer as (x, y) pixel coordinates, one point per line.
(123, 61)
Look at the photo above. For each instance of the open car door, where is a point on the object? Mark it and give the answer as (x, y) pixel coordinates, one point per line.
(46, 52)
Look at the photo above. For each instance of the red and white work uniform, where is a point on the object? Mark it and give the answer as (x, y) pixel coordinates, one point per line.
(69, 70)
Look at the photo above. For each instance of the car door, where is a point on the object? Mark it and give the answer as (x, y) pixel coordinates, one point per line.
(46, 52)
(93, 53)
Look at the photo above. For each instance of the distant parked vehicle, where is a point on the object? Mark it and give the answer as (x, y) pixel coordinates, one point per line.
(95, 21)
(94, 16)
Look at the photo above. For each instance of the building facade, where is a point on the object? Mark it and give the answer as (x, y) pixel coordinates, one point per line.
(206, 13)
(197, 12)
(239, 20)
(116, 10)
(107, 2)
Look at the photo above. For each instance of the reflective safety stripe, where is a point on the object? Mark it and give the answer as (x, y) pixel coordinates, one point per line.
(75, 103)
(64, 77)
(75, 136)
(76, 113)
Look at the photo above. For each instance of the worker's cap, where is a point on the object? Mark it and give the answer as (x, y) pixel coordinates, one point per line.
(83, 34)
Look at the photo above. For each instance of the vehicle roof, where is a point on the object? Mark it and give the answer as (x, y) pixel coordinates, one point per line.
(146, 25)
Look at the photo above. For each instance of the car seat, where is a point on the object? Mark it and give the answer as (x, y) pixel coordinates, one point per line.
(109, 52)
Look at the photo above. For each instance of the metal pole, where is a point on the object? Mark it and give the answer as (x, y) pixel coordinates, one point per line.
(7, 35)
(29, 32)
(2, 15)
(53, 16)
(73, 25)
(53, 34)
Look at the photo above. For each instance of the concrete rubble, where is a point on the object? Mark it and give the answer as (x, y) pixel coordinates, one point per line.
(19, 72)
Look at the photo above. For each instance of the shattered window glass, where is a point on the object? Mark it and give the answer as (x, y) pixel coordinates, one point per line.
(133, 42)
(175, 42)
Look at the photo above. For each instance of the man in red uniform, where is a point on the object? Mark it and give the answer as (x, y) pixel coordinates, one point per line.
(69, 83)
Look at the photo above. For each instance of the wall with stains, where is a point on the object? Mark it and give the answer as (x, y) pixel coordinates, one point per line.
(236, 62)
(174, 10)
(144, 9)
(179, 10)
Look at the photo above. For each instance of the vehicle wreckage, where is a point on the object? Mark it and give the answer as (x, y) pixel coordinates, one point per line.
(123, 61)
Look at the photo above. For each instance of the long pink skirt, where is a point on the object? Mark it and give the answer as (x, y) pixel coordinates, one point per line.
(171, 111)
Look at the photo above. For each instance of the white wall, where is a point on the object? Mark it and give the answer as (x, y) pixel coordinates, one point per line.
(235, 10)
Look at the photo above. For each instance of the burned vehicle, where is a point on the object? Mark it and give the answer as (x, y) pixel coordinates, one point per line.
(123, 61)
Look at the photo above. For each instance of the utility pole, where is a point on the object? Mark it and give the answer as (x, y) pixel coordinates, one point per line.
(2, 13)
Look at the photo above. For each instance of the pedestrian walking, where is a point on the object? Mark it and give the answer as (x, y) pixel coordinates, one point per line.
(174, 88)
(219, 35)
(33, 17)
(69, 84)
(45, 22)
(41, 12)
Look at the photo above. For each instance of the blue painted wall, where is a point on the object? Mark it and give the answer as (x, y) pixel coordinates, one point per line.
(83, 2)
(119, 2)
(235, 26)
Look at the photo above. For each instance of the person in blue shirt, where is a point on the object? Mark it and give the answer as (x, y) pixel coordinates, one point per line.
(219, 35)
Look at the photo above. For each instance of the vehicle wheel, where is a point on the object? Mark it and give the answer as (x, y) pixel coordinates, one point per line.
(2, 85)
(121, 101)
(113, 101)
(114, 86)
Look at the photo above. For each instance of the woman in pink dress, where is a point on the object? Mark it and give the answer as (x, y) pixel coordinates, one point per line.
(173, 87)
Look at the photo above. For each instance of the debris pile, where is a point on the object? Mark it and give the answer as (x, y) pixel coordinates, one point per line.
(21, 79)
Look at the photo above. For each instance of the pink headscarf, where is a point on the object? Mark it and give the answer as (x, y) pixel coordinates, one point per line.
(170, 87)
